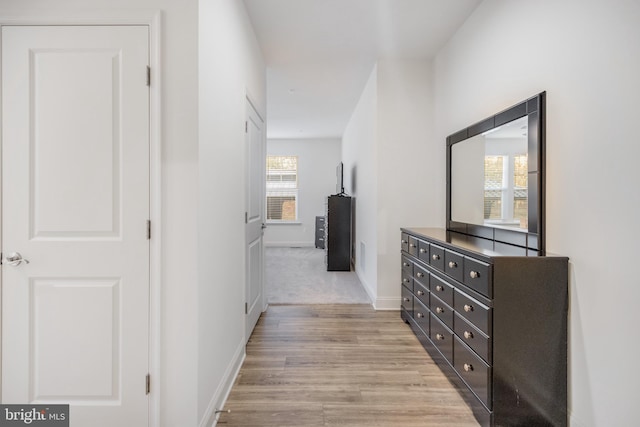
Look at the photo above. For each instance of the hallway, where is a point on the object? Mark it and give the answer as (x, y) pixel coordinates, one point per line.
(347, 365)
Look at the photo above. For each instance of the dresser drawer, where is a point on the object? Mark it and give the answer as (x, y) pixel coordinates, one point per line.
(423, 251)
(407, 281)
(404, 242)
(407, 300)
(473, 337)
(453, 264)
(442, 338)
(421, 275)
(413, 246)
(473, 311)
(477, 276)
(421, 316)
(436, 257)
(442, 311)
(474, 371)
(421, 292)
(441, 289)
(407, 265)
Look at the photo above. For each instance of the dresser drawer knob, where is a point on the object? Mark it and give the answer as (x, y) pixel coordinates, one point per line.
(406, 264)
(403, 241)
(439, 337)
(439, 310)
(405, 280)
(406, 299)
(452, 264)
(419, 274)
(435, 257)
(467, 367)
(468, 335)
(439, 288)
(420, 293)
(420, 315)
(411, 245)
(468, 308)
(474, 274)
(423, 251)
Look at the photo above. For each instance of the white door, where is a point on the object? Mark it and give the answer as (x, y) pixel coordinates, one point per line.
(254, 218)
(75, 204)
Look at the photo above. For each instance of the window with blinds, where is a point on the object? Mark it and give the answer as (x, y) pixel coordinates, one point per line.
(505, 189)
(282, 188)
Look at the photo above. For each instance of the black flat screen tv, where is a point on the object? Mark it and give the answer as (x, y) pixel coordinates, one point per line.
(340, 178)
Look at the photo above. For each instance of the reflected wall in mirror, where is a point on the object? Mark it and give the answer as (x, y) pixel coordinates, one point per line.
(489, 177)
(495, 177)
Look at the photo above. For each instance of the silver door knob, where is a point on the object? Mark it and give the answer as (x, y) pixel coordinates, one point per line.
(14, 259)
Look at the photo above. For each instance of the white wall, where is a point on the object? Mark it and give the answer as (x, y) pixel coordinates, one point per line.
(585, 55)
(179, 133)
(407, 155)
(317, 161)
(359, 155)
(231, 66)
(389, 143)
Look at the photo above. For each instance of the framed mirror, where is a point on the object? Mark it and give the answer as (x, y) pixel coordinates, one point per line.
(495, 177)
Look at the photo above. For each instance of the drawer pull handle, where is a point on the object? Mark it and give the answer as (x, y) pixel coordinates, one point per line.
(467, 367)
(420, 315)
(405, 280)
(406, 299)
(439, 337)
(452, 264)
(419, 274)
(439, 310)
(439, 288)
(411, 245)
(468, 335)
(468, 308)
(403, 241)
(435, 257)
(423, 251)
(474, 274)
(420, 293)
(406, 264)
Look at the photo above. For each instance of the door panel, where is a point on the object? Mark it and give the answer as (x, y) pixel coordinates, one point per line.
(255, 218)
(75, 202)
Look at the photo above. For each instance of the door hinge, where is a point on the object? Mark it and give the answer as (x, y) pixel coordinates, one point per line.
(246, 126)
(246, 308)
(147, 383)
(148, 229)
(148, 76)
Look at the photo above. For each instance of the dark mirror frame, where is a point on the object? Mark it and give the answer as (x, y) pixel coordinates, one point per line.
(532, 239)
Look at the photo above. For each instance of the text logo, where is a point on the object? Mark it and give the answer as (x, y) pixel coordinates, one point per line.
(34, 415)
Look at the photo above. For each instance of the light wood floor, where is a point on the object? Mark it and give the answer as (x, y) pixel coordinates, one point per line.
(346, 365)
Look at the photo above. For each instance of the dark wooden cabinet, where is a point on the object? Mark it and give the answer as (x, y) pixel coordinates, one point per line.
(320, 232)
(338, 233)
(494, 321)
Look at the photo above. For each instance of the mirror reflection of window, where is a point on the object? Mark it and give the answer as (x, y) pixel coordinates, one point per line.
(489, 177)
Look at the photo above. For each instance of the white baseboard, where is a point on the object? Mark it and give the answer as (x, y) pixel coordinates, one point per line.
(366, 286)
(210, 418)
(387, 304)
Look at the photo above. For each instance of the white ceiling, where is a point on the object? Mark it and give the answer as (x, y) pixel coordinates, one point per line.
(320, 53)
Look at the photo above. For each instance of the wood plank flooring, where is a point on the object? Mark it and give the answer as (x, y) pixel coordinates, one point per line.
(340, 365)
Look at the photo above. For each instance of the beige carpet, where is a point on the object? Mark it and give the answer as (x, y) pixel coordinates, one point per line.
(299, 276)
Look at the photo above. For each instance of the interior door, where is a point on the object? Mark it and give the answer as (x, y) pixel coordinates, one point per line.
(75, 205)
(254, 292)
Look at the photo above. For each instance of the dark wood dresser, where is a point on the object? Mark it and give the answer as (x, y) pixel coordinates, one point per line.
(494, 318)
